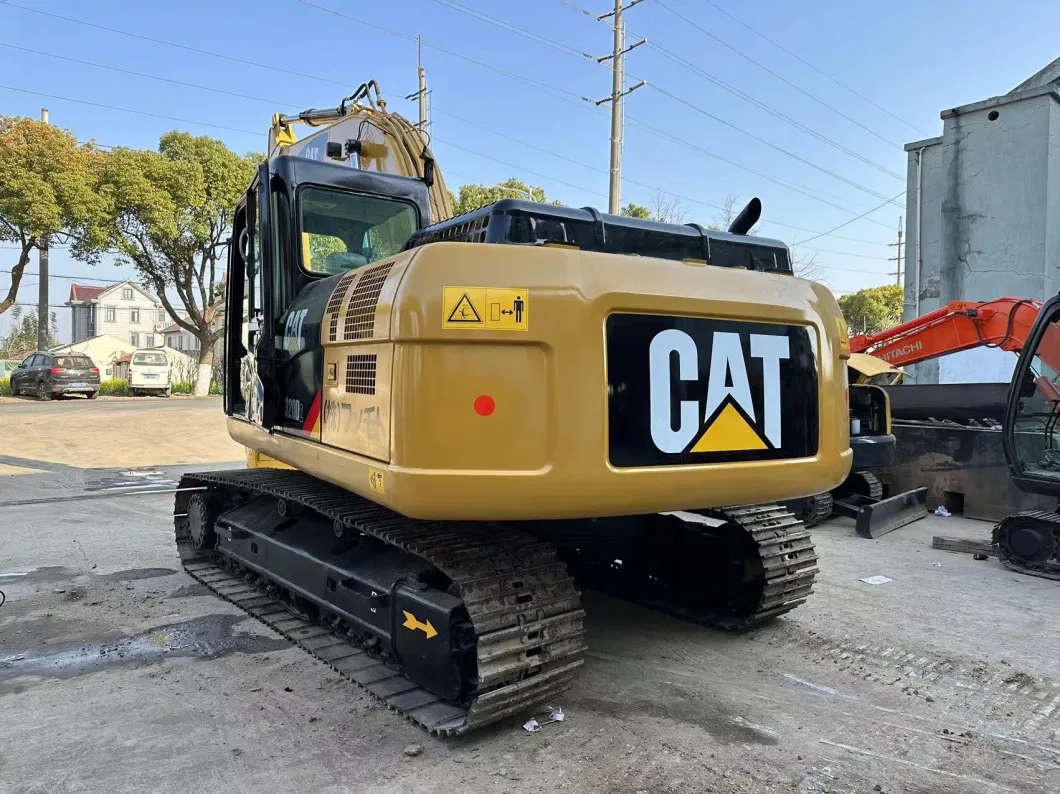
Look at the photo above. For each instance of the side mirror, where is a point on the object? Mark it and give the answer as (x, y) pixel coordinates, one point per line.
(21, 366)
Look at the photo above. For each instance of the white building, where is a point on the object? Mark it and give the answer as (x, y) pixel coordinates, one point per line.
(126, 311)
(181, 339)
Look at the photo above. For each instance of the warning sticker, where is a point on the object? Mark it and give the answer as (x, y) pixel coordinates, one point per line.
(488, 308)
(375, 481)
(459, 307)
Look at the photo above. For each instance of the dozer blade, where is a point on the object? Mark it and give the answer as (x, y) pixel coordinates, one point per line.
(876, 517)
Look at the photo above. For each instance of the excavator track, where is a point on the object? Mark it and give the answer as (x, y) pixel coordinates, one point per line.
(524, 609)
(867, 484)
(770, 557)
(818, 508)
(1029, 542)
(786, 555)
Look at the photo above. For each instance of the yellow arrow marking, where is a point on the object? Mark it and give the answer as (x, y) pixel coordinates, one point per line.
(412, 623)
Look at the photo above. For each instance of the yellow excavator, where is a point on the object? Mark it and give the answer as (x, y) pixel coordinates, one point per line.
(450, 419)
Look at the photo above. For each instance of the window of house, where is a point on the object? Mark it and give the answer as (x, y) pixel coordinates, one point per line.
(161, 315)
(134, 315)
(150, 340)
(126, 293)
(135, 339)
(110, 315)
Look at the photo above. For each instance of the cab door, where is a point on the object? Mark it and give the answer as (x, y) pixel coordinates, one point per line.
(1032, 419)
(250, 349)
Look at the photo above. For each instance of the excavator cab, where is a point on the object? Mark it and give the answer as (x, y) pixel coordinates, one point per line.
(1032, 435)
(1029, 541)
(300, 222)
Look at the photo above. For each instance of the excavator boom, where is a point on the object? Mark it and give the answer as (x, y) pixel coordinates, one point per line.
(960, 325)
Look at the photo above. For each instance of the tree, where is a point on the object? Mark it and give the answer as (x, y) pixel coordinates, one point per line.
(474, 196)
(22, 340)
(804, 265)
(873, 309)
(632, 210)
(48, 189)
(170, 211)
(668, 209)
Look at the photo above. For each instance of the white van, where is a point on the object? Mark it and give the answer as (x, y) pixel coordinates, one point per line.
(149, 372)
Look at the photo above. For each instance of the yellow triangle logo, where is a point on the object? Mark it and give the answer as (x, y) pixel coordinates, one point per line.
(729, 432)
(464, 312)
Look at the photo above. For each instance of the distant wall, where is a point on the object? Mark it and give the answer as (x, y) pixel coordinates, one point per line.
(989, 221)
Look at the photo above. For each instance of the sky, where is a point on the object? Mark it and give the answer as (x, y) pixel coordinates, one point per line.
(804, 104)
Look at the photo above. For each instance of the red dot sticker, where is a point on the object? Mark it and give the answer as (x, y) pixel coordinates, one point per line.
(484, 405)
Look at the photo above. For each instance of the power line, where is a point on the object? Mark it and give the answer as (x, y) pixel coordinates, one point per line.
(143, 74)
(521, 78)
(128, 110)
(272, 67)
(628, 117)
(569, 51)
(819, 71)
(780, 77)
(781, 149)
(529, 145)
(73, 278)
(846, 223)
(669, 54)
(846, 253)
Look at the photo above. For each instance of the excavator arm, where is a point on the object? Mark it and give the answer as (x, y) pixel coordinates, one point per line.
(1004, 323)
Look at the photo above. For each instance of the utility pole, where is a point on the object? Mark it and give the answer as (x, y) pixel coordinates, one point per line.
(43, 317)
(618, 90)
(898, 259)
(421, 94)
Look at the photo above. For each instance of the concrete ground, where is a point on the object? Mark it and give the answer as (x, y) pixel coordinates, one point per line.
(119, 673)
(142, 431)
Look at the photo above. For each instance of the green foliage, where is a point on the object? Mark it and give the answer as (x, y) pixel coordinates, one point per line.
(873, 309)
(22, 340)
(5, 387)
(49, 186)
(632, 210)
(114, 387)
(169, 212)
(474, 196)
(215, 388)
(183, 388)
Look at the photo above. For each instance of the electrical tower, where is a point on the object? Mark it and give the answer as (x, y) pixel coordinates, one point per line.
(897, 259)
(422, 93)
(43, 317)
(618, 91)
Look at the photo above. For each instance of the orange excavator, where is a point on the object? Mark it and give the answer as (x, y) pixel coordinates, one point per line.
(1028, 541)
(959, 325)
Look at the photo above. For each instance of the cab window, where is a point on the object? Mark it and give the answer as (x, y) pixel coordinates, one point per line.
(342, 231)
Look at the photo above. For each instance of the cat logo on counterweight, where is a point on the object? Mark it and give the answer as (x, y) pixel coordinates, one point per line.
(696, 390)
(725, 421)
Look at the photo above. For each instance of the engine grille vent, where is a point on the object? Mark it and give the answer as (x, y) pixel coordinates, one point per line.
(335, 303)
(360, 314)
(472, 231)
(360, 374)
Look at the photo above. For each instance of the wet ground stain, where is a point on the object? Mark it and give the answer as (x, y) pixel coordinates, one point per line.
(50, 575)
(134, 574)
(190, 591)
(207, 637)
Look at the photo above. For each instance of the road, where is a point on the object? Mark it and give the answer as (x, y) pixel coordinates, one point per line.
(80, 433)
(118, 672)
